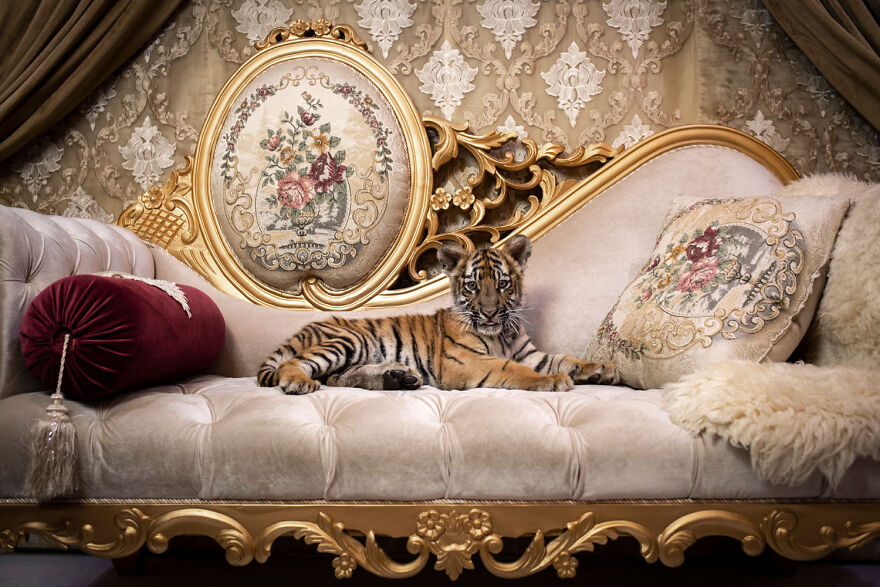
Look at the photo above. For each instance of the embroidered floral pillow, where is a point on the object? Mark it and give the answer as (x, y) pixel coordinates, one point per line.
(725, 281)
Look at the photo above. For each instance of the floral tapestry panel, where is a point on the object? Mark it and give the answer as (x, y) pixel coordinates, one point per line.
(725, 280)
(311, 175)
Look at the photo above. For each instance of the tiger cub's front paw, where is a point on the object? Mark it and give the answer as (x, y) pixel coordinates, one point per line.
(555, 382)
(596, 373)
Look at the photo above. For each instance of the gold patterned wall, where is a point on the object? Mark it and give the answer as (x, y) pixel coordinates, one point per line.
(569, 72)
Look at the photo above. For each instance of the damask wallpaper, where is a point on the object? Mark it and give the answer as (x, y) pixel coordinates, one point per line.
(565, 71)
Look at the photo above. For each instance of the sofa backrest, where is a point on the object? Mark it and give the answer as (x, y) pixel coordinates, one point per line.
(36, 250)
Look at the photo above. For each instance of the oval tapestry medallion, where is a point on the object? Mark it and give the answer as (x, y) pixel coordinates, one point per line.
(311, 175)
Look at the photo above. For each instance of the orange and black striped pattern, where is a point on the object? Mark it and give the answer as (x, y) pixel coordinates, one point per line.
(479, 342)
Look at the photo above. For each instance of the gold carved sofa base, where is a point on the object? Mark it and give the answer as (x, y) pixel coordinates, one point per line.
(451, 535)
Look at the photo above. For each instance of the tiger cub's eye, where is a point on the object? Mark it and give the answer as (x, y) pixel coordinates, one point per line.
(470, 285)
(503, 283)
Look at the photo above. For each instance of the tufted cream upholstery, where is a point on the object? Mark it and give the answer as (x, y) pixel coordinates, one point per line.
(221, 438)
(37, 250)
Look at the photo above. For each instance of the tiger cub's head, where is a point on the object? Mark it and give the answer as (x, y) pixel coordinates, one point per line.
(487, 284)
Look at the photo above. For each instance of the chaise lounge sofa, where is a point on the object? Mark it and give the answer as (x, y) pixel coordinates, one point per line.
(456, 472)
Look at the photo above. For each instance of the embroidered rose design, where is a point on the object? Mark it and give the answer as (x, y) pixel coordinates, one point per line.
(691, 267)
(295, 191)
(703, 246)
(325, 172)
(272, 142)
(700, 274)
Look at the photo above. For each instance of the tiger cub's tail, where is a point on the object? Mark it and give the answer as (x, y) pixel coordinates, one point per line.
(267, 376)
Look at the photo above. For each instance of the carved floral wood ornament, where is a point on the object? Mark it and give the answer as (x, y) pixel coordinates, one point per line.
(452, 534)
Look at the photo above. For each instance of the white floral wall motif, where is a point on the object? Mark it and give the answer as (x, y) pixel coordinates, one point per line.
(385, 19)
(37, 164)
(566, 71)
(146, 154)
(508, 20)
(632, 133)
(446, 77)
(574, 80)
(256, 18)
(634, 19)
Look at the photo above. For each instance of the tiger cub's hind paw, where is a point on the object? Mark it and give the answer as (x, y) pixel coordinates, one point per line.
(401, 377)
(297, 385)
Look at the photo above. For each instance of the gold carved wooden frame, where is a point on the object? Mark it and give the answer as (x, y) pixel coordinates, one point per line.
(178, 215)
(451, 533)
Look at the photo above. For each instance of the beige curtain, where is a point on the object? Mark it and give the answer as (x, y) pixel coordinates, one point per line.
(53, 53)
(842, 39)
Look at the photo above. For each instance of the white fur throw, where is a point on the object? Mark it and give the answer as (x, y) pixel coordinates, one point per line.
(846, 328)
(794, 418)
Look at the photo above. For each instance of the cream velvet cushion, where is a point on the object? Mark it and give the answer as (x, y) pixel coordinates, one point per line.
(726, 280)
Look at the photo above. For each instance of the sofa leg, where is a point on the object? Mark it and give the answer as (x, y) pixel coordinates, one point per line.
(131, 565)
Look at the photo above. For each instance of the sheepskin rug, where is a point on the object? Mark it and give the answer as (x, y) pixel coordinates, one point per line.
(794, 418)
(798, 418)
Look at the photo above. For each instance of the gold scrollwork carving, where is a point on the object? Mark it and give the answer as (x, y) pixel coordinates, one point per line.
(683, 532)
(163, 214)
(303, 29)
(449, 139)
(331, 537)
(453, 536)
(780, 527)
(579, 536)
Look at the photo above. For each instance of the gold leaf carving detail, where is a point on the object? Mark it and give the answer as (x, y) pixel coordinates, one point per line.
(160, 215)
(452, 536)
(579, 536)
(525, 175)
(780, 526)
(683, 532)
(303, 29)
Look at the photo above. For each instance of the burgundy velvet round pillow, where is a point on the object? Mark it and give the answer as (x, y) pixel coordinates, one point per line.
(125, 334)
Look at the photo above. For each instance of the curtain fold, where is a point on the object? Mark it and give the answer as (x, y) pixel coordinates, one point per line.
(842, 39)
(53, 53)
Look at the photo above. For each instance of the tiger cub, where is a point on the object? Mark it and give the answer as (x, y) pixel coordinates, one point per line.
(479, 342)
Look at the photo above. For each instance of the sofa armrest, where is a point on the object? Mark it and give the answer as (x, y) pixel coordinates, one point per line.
(36, 250)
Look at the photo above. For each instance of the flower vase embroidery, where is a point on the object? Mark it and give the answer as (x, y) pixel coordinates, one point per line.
(305, 164)
(305, 168)
(729, 275)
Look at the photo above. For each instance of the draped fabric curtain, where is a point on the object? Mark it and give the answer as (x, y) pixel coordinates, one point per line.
(842, 39)
(53, 53)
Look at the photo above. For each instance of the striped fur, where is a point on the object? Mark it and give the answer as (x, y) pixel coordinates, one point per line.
(479, 342)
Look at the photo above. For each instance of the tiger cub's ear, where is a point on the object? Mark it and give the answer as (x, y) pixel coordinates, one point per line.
(449, 256)
(519, 248)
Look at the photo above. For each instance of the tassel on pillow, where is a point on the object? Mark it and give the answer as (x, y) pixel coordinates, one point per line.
(53, 458)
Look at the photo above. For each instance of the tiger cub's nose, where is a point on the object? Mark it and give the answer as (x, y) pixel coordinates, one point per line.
(489, 313)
